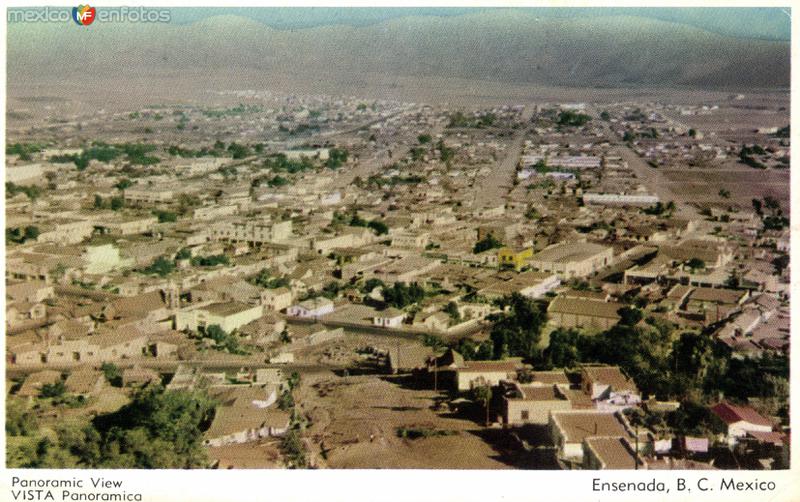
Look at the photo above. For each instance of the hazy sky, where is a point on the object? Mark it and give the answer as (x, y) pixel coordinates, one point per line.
(765, 23)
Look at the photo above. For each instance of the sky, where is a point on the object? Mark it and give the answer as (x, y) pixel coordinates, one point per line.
(761, 23)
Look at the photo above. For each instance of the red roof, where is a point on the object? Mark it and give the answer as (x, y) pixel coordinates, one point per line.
(731, 414)
(776, 438)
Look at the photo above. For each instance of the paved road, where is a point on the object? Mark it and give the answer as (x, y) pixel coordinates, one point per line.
(170, 366)
(652, 178)
(380, 160)
(492, 189)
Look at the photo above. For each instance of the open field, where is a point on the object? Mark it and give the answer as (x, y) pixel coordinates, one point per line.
(701, 186)
(354, 420)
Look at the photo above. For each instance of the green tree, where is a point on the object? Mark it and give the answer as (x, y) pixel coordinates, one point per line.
(482, 395)
(451, 309)
(562, 351)
(487, 243)
(518, 332)
(112, 373)
(161, 266)
(696, 264)
(117, 203)
(31, 233)
(56, 389)
(780, 263)
(379, 227)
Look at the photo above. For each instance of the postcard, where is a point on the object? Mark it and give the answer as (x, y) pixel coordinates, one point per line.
(383, 252)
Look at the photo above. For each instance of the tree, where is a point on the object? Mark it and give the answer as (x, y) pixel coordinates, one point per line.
(487, 243)
(629, 316)
(56, 389)
(157, 429)
(517, 332)
(123, 184)
(780, 263)
(379, 227)
(285, 337)
(31, 233)
(691, 355)
(696, 264)
(451, 309)
(165, 216)
(117, 203)
(112, 373)
(482, 395)
(20, 420)
(161, 266)
(562, 351)
(98, 202)
(724, 193)
(757, 206)
(424, 138)
(401, 295)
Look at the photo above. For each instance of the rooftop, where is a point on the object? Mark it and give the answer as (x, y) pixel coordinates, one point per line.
(613, 452)
(579, 425)
(569, 252)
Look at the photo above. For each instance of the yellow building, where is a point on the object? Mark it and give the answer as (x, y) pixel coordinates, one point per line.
(516, 258)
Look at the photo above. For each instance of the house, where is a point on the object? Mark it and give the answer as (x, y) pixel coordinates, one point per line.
(138, 376)
(583, 313)
(531, 404)
(31, 292)
(113, 345)
(85, 381)
(740, 420)
(609, 388)
(573, 259)
(408, 358)
(389, 318)
(313, 334)
(716, 303)
(601, 453)
(23, 314)
(276, 299)
(568, 430)
(314, 307)
(246, 414)
(32, 385)
(529, 283)
(478, 373)
(515, 258)
(254, 233)
(435, 321)
(228, 316)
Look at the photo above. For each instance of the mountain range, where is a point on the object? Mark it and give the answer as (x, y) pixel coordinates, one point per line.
(502, 46)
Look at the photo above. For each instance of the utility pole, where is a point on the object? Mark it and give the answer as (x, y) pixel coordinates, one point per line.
(435, 375)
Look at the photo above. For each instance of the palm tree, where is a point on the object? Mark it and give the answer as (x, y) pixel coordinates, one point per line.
(483, 395)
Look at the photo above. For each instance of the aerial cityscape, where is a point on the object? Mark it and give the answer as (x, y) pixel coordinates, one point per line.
(477, 239)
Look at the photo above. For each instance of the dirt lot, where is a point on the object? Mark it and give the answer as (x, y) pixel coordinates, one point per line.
(261, 455)
(354, 421)
(702, 186)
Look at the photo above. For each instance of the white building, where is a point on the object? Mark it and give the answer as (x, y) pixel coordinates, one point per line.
(389, 318)
(314, 307)
(618, 199)
(252, 232)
